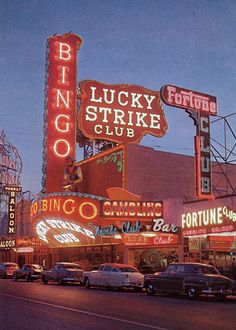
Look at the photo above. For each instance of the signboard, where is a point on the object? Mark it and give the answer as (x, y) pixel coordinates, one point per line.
(160, 240)
(138, 209)
(203, 158)
(12, 192)
(187, 99)
(200, 106)
(60, 108)
(7, 243)
(120, 113)
(210, 221)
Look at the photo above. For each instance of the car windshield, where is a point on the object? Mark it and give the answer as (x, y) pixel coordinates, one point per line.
(72, 266)
(128, 269)
(209, 270)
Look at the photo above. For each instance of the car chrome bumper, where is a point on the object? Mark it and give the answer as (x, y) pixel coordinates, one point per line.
(133, 285)
(217, 291)
(72, 279)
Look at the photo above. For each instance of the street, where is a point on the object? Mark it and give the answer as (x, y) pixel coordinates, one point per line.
(25, 305)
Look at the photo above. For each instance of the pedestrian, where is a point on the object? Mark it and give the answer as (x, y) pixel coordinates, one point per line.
(234, 268)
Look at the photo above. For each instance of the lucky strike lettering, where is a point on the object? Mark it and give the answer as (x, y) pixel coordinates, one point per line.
(120, 113)
(131, 209)
(210, 217)
(187, 99)
(61, 231)
(84, 209)
(60, 111)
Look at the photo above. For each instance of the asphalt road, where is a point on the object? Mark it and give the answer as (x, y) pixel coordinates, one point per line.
(34, 306)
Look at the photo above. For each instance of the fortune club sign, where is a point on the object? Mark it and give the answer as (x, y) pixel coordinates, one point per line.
(201, 106)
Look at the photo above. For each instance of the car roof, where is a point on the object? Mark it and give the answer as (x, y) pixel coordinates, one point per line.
(9, 263)
(192, 264)
(66, 263)
(116, 265)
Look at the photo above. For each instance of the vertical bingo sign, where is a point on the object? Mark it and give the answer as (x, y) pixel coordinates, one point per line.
(12, 192)
(60, 108)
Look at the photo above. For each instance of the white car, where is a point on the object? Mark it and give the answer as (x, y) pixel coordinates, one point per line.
(112, 275)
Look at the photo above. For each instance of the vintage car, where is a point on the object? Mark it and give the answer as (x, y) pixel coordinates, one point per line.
(113, 275)
(7, 269)
(63, 272)
(29, 272)
(193, 279)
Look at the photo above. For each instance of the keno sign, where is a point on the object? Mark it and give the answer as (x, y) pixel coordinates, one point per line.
(120, 113)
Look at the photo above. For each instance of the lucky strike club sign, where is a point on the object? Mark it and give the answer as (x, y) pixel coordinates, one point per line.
(120, 113)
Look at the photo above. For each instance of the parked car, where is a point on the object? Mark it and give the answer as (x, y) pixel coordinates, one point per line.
(193, 279)
(7, 269)
(63, 272)
(29, 272)
(113, 275)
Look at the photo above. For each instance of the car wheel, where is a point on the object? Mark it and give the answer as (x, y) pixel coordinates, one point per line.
(86, 283)
(149, 289)
(15, 277)
(28, 278)
(44, 280)
(60, 281)
(192, 292)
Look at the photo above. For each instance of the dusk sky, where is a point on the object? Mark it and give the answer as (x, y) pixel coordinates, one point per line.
(188, 43)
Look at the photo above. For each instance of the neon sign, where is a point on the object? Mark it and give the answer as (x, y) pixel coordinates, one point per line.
(12, 192)
(183, 98)
(120, 113)
(7, 243)
(131, 209)
(203, 158)
(126, 228)
(57, 231)
(214, 220)
(199, 106)
(67, 206)
(60, 110)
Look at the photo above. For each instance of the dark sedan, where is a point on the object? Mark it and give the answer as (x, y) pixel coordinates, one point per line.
(63, 272)
(193, 279)
(28, 272)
